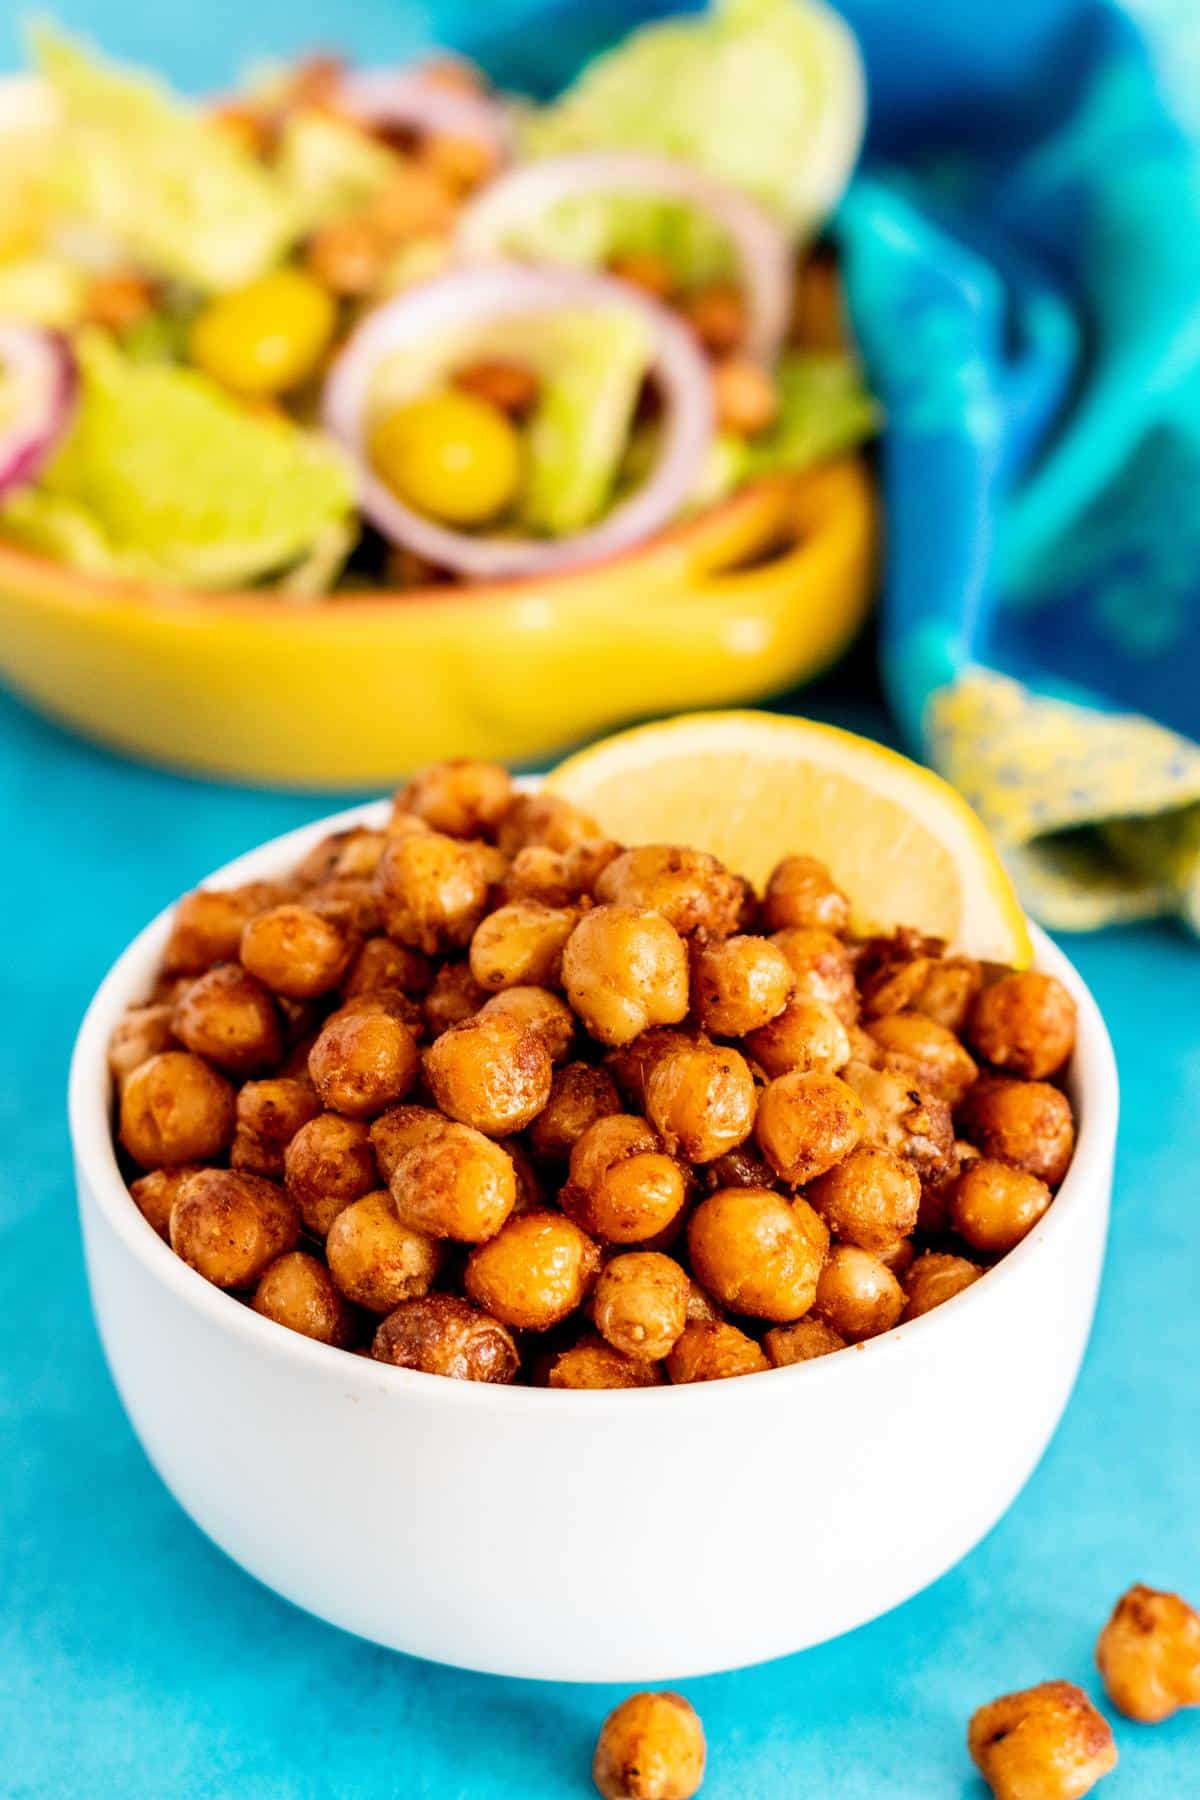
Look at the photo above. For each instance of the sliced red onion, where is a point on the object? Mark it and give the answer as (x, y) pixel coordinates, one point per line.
(760, 245)
(481, 296)
(39, 395)
(411, 98)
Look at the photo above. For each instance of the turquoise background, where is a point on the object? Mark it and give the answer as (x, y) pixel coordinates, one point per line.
(135, 1661)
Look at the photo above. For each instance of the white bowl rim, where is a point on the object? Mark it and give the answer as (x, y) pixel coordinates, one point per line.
(1093, 1076)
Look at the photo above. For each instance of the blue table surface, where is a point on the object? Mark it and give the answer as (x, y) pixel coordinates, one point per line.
(136, 1661)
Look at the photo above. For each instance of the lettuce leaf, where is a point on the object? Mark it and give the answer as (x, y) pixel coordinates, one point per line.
(139, 167)
(767, 95)
(163, 477)
(328, 168)
(824, 411)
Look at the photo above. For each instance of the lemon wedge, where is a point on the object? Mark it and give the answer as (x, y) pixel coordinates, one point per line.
(751, 787)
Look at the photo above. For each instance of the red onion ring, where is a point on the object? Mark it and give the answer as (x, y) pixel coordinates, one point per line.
(760, 244)
(411, 97)
(473, 296)
(41, 377)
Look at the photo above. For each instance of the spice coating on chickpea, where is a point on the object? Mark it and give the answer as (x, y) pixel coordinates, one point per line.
(295, 950)
(689, 888)
(376, 1260)
(157, 1192)
(269, 1114)
(625, 969)
(229, 1226)
(801, 891)
(443, 1335)
(143, 1032)
(1024, 1122)
(821, 966)
(711, 1350)
(545, 819)
(1044, 1743)
(455, 1183)
(739, 984)
(871, 1198)
(803, 1341)
(592, 1364)
(757, 1252)
(651, 1747)
(941, 1064)
(382, 963)
(535, 1272)
(580, 1094)
(857, 1294)
(701, 1100)
(622, 1187)
(459, 798)
(1149, 1655)
(807, 1122)
(640, 1304)
(549, 1018)
(948, 990)
(208, 925)
(521, 945)
(994, 1205)
(327, 1164)
(297, 1291)
(491, 1072)
(363, 1062)
(176, 1109)
(806, 1035)
(1024, 1023)
(435, 889)
(900, 1115)
(454, 995)
(935, 1278)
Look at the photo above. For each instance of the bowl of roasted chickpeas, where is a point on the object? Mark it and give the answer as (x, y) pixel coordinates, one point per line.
(444, 1165)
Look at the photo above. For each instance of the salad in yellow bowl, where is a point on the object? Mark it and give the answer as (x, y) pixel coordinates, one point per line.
(321, 375)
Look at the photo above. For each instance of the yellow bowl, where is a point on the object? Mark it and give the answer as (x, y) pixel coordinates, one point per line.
(752, 597)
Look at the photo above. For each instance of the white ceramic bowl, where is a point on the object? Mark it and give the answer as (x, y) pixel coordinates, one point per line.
(635, 1536)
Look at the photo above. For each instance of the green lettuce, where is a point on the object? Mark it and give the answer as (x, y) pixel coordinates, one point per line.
(824, 411)
(152, 175)
(328, 168)
(767, 95)
(163, 477)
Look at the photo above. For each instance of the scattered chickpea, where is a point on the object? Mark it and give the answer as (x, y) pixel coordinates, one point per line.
(807, 1122)
(801, 892)
(651, 1747)
(688, 887)
(491, 1072)
(363, 1062)
(711, 1350)
(1149, 1655)
(1024, 1122)
(631, 1064)
(535, 1272)
(757, 1252)
(460, 799)
(327, 1164)
(822, 967)
(857, 1294)
(157, 1192)
(521, 945)
(228, 1017)
(701, 1100)
(296, 1290)
(935, 1278)
(622, 1188)
(455, 1183)
(269, 1114)
(294, 950)
(941, 1064)
(143, 1032)
(746, 398)
(1044, 1743)
(443, 1335)
(1025, 1023)
(740, 984)
(229, 1226)
(593, 1364)
(806, 1035)
(550, 1019)
(375, 1260)
(208, 925)
(435, 889)
(397, 1130)
(640, 1304)
(717, 314)
(871, 1198)
(579, 1095)
(176, 1109)
(994, 1205)
(801, 1342)
(624, 969)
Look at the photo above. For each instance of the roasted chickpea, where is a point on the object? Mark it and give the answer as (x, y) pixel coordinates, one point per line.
(900, 1115)
(801, 1342)
(807, 1121)
(691, 889)
(354, 905)
(269, 1114)
(1044, 1743)
(898, 1257)
(383, 963)
(1024, 1122)
(530, 1194)
(443, 1335)
(229, 1018)
(592, 1363)
(640, 1305)
(375, 1260)
(857, 1294)
(549, 1018)
(455, 1183)
(435, 889)
(398, 1129)
(994, 1205)
(229, 1226)
(534, 1272)
(1149, 1655)
(801, 892)
(296, 1290)
(558, 877)
(742, 1167)
(710, 1350)
(622, 1188)
(630, 1064)
(701, 1305)
(521, 945)
(327, 1164)
(143, 1032)
(208, 925)
(1025, 1023)
(157, 1192)
(625, 969)
(175, 1109)
(295, 950)
(544, 819)
(651, 1747)
(491, 1072)
(948, 991)
(350, 855)
(871, 1198)
(758, 1253)
(717, 314)
(462, 799)
(937, 1191)
(821, 965)
(362, 1062)
(807, 1034)
(701, 1099)
(935, 1278)
(892, 971)
(941, 1064)
(579, 1095)
(739, 984)
(454, 995)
